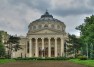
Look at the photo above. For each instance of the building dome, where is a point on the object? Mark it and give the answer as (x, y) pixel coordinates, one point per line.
(46, 22)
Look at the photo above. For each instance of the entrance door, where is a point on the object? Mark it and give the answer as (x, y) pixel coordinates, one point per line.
(46, 52)
(52, 51)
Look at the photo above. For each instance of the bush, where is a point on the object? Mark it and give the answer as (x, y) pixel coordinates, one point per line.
(2, 57)
(2, 50)
(7, 56)
(82, 57)
(39, 58)
(71, 58)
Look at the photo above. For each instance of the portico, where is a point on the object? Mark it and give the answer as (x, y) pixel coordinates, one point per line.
(46, 47)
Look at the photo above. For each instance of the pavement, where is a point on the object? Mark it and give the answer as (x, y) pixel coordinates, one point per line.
(41, 64)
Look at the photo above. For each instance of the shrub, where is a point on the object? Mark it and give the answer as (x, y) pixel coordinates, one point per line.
(82, 57)
(71, 58)
(39, 58)
(2, 50)
(7, 56)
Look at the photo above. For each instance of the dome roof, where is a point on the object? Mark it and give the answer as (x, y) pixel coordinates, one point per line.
(46, 15)
(46, 21)
(47, 18)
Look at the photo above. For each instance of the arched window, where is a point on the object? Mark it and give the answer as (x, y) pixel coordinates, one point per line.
(52, 26)
(34, 27)
(58, 27)
(45, 25)
(40, 26)
(30, 27)
(62, 28)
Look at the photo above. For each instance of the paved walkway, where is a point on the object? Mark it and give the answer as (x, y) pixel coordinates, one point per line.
(41, 64)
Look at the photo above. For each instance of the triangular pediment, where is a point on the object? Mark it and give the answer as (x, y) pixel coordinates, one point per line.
(46, 31)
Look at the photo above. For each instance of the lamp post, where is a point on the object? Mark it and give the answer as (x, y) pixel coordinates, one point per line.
(43, 53)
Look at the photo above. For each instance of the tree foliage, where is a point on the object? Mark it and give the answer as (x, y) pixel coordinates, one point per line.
(75, 44)
(0, 37)
(13, 39)
(87, 34)
(2, 49)
(14, 43)
(87, 29)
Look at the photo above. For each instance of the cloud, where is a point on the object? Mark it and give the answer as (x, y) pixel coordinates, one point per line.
(91, 3)
(72, 7)
(15, 15)
(13, 18)
(40, 5)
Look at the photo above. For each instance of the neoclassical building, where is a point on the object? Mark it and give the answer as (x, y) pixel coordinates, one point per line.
(45, 38)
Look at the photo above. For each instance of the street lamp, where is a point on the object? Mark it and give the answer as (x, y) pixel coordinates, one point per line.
(43, 53)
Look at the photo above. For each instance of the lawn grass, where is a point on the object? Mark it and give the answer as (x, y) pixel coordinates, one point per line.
(89, 63)
(2, 61)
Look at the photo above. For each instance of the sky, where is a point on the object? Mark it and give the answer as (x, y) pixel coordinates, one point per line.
(16, 15)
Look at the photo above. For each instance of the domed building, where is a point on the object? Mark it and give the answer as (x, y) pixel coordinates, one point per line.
(45, 38)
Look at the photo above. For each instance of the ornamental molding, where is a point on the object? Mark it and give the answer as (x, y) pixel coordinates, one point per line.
(54, 31)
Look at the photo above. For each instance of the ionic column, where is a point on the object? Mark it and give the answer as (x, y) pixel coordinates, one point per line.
(55, 47)
(49, 47)
(62, 47)
(30, 47)
(42, 46)
(36, 48)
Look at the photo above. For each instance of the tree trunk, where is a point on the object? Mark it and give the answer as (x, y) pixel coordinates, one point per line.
(87, 49)
(91, 51)
(74, 53)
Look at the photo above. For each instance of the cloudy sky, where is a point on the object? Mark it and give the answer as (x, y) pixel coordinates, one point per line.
(16, 15)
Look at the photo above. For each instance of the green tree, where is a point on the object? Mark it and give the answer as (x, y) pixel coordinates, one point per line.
(13, 44)
(0, 37)
(75, 44)
(87, 35)
(2, 49)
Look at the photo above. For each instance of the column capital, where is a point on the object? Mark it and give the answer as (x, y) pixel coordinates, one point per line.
(42, 38)
(55, 38)
(36, 38)
(61, 37)
(30, 38)
(49, 37)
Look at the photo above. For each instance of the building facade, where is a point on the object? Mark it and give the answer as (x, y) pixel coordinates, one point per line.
(4, 36)
(45, 38)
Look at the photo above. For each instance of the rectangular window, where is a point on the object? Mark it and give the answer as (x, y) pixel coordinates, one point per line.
(28, 47)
